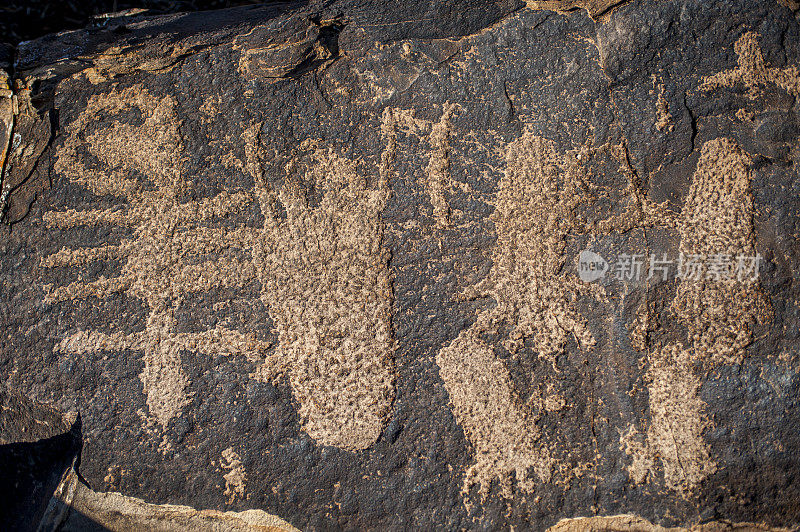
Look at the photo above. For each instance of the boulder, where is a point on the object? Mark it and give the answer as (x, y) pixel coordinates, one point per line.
(440, 264)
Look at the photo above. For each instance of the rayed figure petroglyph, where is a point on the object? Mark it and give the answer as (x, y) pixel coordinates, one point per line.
(322, 270)
(165, 235)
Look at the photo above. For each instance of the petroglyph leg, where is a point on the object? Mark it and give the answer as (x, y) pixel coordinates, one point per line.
(163, 378)
(677, 419)
(504, 436)
(235, 477)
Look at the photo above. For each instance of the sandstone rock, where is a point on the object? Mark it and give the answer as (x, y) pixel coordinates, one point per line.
(320, 260)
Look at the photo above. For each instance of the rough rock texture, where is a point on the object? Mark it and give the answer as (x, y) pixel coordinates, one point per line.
(37, 445)
(75, 507)
(631, 523)
(320, 260)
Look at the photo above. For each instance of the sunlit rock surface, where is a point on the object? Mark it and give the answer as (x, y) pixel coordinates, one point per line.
(321, 261)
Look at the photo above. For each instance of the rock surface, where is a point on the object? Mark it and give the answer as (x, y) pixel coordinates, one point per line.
(321, 260)
(37, 445)
(75, 507)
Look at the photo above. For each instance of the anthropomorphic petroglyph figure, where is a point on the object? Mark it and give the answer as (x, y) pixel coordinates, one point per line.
(325, 279)
(718, 310)
(534, 212)
(719, 307)
(141, 165)
(323, 271)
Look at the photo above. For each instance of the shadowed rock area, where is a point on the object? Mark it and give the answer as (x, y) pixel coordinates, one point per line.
(423, 265)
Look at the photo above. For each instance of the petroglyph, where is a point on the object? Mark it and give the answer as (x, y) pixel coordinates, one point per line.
(674, 435)
(640, 211)
(677, 422)
(634, 445)
(752, 72)
(535, 210)
(717, 219)
(664, 118)
(166, 239)
(325, 279)
(322, 269)
(235, 478)
(438, 170)
(436, 180)
(503, 434)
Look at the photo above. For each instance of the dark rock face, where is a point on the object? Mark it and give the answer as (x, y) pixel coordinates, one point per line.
(322, 259)
(36, 449)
